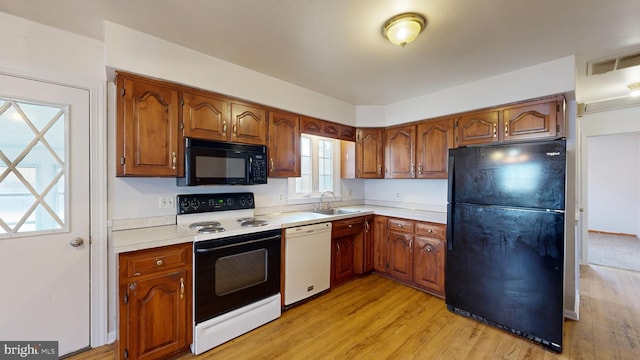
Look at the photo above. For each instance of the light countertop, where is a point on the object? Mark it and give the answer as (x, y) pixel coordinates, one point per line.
(155, 236)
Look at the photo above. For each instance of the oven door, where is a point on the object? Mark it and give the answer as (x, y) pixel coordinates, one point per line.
(235, 271)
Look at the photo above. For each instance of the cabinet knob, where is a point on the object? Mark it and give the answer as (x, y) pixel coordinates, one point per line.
(429, 249)
(495, 130)
(174, 158)
(159, 262)
(271, 163)
(429, 230)
(350, 226)
(224, 128)
(419, 168)
(181, 288)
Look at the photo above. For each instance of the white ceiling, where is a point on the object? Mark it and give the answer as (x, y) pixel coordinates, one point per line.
(335, 47)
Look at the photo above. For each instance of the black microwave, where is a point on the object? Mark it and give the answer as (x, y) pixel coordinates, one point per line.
(220, 163)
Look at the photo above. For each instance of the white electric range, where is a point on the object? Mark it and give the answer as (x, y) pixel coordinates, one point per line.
(236, 266)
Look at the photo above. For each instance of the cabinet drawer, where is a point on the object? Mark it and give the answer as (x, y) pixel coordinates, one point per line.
(348, 226)
(151, 261)
(431, 229)
(401, 225)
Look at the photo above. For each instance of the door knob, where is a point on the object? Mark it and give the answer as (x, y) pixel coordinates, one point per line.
(76, 242)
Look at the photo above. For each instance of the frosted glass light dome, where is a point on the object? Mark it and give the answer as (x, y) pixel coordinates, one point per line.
(404, 28)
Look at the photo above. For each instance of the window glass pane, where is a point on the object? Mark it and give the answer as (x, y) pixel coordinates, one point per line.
(32, 173)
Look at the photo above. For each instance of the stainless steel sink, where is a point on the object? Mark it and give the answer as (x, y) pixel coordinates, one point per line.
(335, 211)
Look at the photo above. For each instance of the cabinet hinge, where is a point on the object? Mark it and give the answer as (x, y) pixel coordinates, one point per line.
(181, 101)
(122, 91)
(121, 160)
(181, 126)
(455, 124)
(557, 128)
(557, 107)
(126, 298)
(125, 355)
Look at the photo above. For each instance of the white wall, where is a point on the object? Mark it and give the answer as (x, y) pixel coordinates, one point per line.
(614, 183)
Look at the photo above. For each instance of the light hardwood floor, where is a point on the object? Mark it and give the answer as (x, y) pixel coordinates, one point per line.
(376, 318)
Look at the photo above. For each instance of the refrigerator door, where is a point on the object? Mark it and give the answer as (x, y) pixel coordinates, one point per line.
(530, 175)
(504, 266)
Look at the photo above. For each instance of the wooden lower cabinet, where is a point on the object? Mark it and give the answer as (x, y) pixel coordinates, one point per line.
(415, 252)
(352, 252)
(380, 243)
(155, 302)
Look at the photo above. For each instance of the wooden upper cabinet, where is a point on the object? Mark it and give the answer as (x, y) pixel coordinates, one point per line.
(477, 128)
(205, 116)
(400, 150)
(284, 144)
(347, 133)
(532, 121)
(248, 124)
(331, 130)
(147, 121)
(311, 126)
(433, 141)
(370, 153)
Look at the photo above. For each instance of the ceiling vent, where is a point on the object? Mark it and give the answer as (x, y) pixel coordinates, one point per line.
(612, 64)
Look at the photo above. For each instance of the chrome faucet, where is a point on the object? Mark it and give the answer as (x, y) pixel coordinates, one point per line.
(322, 204)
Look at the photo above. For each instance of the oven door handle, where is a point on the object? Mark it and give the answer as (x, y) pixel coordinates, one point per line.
(206, 250)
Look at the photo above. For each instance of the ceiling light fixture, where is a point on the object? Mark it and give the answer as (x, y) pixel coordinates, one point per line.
(635, 89)
(404, 28)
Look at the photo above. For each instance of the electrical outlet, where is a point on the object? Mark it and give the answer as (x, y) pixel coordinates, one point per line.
(397, 194)
(166, 202)
(281, 197)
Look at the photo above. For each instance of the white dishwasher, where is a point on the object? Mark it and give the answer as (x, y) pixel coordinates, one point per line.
(307, 261)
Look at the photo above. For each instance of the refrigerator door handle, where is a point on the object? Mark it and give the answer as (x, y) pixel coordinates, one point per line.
(451, 179)
(449, 227)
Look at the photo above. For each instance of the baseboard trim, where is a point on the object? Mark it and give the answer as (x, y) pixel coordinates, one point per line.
(575, 313)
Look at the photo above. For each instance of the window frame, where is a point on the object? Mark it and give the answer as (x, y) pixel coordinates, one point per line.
(315, 193)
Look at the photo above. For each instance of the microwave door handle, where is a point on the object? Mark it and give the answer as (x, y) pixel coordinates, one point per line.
(250, 171)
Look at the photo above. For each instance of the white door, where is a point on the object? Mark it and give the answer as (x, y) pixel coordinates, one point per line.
(44, 213)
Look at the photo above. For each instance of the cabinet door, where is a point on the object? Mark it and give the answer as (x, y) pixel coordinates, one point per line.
(532, 121)
(369, 154)
(400, 255)
(284, 145)
(477, 128)
(347, 133)
(205, 117)
(331, 130)
(248, 124)
(380, 244)
(433, 141)
(147, 128)
(368, 244)
(429, 258)
(159, 316)
(342, 259)
(400, 148)
(311, 126)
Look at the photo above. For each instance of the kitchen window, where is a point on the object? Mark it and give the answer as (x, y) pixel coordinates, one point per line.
(319, 167)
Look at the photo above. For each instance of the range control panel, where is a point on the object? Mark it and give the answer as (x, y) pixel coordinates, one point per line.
(200, 203)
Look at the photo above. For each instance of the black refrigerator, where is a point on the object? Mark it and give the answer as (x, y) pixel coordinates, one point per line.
(505, 237)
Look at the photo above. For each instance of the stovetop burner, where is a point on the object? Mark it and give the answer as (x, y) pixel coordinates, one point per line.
(211, 229)
(254, 222)
(202, 224)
